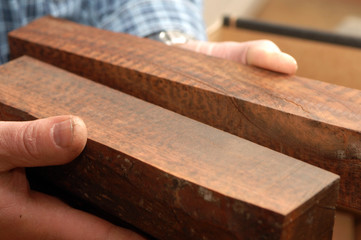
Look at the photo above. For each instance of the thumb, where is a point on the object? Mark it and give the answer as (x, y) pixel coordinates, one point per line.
(50, 141)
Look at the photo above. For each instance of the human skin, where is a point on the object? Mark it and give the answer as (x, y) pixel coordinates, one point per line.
(27, 214)
(260, 53)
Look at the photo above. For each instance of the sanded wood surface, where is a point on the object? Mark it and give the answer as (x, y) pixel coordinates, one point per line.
(313, 121)
(171, 176)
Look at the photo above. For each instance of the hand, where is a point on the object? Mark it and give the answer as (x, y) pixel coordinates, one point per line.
(261, 53)
(26, 214)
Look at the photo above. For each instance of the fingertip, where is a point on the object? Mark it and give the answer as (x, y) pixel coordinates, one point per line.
(272, 60)
(44, 142)
(287, 64)
(69, 135)
(80, 134)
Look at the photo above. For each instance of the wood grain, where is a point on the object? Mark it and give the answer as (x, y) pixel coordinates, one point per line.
(171, 176)
(310, 120)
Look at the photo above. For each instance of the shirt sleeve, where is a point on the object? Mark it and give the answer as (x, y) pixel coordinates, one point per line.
(137, 17)
(145, 17)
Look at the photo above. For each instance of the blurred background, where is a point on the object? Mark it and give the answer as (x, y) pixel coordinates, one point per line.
(325, 61)
(342, 16)
(338, 64)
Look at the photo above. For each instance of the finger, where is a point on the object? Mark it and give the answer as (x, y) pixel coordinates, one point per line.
(235, 51)
(261, 53)
(51, 141)
(44, 217)
(267, 55)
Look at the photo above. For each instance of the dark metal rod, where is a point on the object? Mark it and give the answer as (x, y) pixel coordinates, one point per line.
(297, 32)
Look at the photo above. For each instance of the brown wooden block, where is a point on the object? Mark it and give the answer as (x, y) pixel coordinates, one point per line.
(171, 176)
(310, 120)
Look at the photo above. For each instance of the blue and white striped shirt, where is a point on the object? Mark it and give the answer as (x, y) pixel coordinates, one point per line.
(137, 17)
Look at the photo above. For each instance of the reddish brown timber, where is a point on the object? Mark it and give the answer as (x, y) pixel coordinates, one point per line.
(310, 120)
(171, 176)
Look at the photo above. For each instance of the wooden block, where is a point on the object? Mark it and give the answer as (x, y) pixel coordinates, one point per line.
(171, 176)
(310, 120)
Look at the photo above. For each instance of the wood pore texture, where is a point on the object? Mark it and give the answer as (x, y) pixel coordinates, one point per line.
(314, 121)
(172, 177)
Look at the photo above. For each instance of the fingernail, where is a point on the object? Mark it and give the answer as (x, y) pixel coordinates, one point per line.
(63, 133)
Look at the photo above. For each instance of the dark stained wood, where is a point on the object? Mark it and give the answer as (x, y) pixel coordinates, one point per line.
(310, 120)
(171, 176)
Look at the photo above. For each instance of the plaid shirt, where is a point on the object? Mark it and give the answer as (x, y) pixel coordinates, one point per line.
(137, 17)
